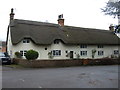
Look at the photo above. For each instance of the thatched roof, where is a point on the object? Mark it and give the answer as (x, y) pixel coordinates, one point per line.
(46, 33)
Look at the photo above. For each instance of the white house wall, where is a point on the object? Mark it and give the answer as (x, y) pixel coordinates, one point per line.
(9, 45)
(43, 54)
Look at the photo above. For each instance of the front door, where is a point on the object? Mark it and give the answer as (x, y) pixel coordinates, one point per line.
(71, 54)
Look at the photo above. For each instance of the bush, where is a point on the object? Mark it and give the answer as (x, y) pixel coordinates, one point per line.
(31, 55)
(18, 54)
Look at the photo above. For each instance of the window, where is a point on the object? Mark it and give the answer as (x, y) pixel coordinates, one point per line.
(45, 48)
(66, 51)
(56, 41)
(116, 52)
(100, 46)
(100, 53)
(83, 46)
(83, 53)
(56, 52)
(26, 40)
(23, 53)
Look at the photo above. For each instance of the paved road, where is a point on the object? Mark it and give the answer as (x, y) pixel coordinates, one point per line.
(69, 77)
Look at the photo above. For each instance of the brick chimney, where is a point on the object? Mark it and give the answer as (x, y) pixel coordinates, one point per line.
(12, 14)
(60, 20)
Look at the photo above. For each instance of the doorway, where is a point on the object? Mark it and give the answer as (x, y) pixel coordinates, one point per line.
(71, 54)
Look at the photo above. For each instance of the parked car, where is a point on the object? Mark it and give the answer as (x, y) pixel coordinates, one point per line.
(4, 58)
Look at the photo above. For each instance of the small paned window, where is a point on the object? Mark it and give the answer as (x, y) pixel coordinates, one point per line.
(100, 46)
(116, 52)
(23, 53)
(66, 51)
(100, 53)
(45, 48)
(26, 40)
(56, 41)
(56, 52)
(83, 46)
(83, 53)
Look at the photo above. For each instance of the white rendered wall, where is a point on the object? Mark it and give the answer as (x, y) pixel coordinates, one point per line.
(43, 54)
(9, 45)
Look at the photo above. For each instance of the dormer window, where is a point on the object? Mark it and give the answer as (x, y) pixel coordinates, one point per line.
(56, 41)
(100, 46)
(26, 40)
(83, 46)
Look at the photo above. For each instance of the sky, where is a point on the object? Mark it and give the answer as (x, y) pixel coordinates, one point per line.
(79, 13)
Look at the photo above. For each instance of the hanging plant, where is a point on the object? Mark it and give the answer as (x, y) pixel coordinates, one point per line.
(50, 55)
(93, 53)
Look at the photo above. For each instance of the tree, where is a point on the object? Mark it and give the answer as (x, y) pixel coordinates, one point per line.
(31, 55)
(117, 29)
(18, 54)
(112, 8)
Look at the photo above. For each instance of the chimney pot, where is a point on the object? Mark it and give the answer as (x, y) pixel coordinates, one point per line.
(61, 20)
(12, 14)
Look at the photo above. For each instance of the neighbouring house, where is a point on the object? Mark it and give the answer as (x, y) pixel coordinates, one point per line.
(58, 41)
(2, 46)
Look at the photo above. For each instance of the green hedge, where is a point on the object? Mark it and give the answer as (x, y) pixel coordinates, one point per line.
(31, 55)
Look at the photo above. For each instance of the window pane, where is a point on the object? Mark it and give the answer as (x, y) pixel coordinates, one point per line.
(21, 52)
(83, 53)
(100, 53)
(59, 52)
(25, 53)
(26, 41)
(56, 42)
(53, 52)
(56, 52)
(100, 46)
(116, 51)
(83, 46)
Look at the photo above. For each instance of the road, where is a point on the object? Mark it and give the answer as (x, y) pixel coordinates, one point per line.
(68, 77)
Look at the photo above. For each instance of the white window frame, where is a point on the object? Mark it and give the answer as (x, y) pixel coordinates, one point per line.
(56, 42)
(83, 46)
(83, 53)
(23, 52)
(56, 52)
(26, 40)
(116, 52)
(100, 46)
(100, 53)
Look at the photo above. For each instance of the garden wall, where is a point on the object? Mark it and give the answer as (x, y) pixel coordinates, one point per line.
(64, 63)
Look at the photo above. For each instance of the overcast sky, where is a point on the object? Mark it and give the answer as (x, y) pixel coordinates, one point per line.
(80, 13)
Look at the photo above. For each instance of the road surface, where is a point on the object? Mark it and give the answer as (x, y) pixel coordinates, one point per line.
(68, 77)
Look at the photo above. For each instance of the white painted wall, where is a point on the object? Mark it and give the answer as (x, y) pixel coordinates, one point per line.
(43, 54)
(9, 45)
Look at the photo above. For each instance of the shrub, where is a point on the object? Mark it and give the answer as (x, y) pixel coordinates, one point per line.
(50, 55)
(93, 53)
(18, 54)
(31, 55)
